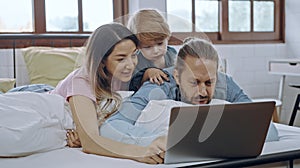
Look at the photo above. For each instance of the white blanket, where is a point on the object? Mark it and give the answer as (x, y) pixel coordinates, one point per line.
(75, 158)
(32, 122)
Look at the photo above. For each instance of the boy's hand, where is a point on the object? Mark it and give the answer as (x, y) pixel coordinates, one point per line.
(156, 76)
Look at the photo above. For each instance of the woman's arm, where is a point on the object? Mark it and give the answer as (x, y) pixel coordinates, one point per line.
(84, 116)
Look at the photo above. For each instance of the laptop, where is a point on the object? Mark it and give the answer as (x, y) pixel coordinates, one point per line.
(206, 133)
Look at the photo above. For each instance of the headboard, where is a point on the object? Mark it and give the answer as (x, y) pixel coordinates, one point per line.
(16, 43)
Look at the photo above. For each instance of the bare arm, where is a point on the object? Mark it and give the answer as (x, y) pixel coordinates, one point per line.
(84, 115)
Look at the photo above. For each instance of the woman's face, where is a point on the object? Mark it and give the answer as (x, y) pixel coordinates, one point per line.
(122, 61)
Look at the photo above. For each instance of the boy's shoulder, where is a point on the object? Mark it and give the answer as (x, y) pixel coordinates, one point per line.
(171, 49)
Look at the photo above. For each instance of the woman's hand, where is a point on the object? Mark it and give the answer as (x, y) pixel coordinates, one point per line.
(156, 76)
(73, 140)
(155, 152)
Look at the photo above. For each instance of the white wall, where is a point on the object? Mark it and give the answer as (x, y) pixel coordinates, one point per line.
(247, 63)
(292, 51)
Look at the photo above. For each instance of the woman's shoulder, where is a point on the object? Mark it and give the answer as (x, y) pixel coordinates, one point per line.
(78, 74)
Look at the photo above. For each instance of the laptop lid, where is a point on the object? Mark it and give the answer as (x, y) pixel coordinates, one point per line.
(216, 132)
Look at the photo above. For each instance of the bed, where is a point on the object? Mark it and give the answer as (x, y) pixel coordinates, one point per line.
(286, 149)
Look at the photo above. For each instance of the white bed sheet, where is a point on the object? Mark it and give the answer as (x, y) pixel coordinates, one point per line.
(289, 139)
(75, 158)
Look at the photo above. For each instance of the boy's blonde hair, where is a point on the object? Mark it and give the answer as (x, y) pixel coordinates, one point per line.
(149, 25)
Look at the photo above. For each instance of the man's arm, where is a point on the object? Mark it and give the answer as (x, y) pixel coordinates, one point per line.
(131, 107)
(121, 126)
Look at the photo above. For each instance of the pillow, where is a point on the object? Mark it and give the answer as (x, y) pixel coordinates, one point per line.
(48, 65)
(32, 122)
(125, 94)
(6, 84)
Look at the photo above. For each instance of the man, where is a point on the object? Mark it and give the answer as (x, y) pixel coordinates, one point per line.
(193, 81)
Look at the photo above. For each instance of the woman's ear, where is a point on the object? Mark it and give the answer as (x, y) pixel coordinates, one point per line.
(176, 76)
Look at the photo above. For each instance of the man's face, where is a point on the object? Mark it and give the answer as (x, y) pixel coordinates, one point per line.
(197, 80)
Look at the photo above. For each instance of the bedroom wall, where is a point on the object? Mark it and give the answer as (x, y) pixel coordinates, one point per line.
(247, 63)
(292, 51)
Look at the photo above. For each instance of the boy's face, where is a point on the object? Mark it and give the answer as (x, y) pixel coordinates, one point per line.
(154, 50)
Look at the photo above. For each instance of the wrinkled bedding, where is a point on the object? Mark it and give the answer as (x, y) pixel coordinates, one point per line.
(32, 125)
(32, 122)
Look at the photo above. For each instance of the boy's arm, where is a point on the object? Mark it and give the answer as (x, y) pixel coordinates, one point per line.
(152, 74)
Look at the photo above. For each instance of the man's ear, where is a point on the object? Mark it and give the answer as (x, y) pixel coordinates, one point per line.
(176, 76)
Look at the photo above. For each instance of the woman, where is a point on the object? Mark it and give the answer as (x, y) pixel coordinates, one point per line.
(111, 57)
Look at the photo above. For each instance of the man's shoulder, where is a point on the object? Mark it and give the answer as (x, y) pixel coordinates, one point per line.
(164, 86)
(223, 75)
(224, 80)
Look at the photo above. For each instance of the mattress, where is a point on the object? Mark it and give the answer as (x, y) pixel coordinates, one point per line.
(74, 158)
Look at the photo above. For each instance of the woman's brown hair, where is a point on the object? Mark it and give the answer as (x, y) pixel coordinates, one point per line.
(99, 46)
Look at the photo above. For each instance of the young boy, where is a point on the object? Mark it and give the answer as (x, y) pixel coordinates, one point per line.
(153, 32)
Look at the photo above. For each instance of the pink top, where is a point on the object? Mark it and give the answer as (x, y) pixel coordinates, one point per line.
(76, 83)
